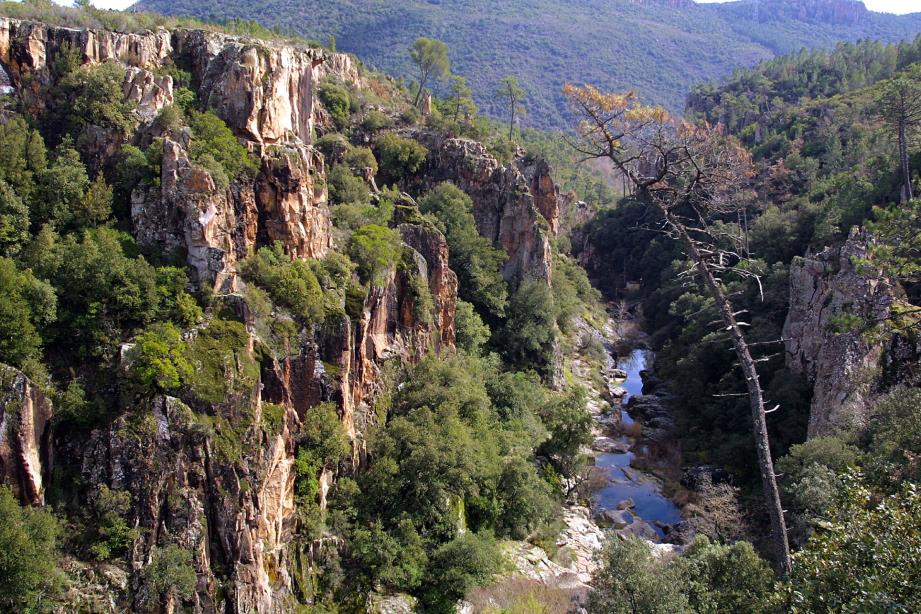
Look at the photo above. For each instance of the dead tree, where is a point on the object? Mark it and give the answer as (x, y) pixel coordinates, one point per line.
(694, 176)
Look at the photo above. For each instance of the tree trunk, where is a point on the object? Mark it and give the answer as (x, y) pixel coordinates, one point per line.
(903, 158)
(511, 119)
(423, 78)
(755, 395)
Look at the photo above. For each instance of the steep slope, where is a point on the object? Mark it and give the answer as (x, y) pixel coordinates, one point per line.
(657, 48)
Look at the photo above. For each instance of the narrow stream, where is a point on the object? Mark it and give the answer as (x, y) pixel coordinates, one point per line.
(650, 505)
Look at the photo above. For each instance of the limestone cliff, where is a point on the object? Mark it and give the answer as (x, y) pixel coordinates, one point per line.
(841, 362)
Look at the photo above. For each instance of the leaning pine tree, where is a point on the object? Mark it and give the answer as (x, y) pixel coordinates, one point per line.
(696, 178)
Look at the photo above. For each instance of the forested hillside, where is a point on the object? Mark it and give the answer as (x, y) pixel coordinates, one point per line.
(830, 234)
(659, 49)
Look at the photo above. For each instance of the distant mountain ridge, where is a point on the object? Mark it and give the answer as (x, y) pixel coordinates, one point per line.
(659, 48)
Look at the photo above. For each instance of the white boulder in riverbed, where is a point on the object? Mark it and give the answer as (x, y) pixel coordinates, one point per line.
(610, 445)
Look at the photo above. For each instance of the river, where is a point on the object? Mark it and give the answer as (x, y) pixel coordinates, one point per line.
(650, 505)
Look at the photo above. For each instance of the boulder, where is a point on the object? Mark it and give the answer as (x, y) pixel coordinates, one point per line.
(610, 445)
(626, 504)
(617, 519)
(618, 374)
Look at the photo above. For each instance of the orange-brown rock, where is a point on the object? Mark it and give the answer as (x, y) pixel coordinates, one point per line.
(25, 436)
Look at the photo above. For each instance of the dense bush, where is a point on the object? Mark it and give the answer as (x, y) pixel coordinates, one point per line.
(215, 146)
(375, 249)
(29, 577)
(529, 334)
(157, 362)
(169, 575)
(291, 283)
(476, 262)
(336, 100)
(26, 304)
(399, 157)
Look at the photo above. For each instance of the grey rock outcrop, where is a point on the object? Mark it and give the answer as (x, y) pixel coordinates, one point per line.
(504, 205)
(840, 361)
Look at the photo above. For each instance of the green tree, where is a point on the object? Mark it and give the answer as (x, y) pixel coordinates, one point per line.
(467, 561)
(570, 427)
(375, 250)
(110, 289)
(512, 97)
(471, 333)
(62, 188)
(399, 157)
(900, 105)
(526, 500)
(26, 304)
(291, 283)
(865, 558)
(476, 262)
(23, 157)
(431, 59)
(157, 361)
(213, 140)
(529, 334)
(337, 101)
(29, 577)
(170, 575)
(461, 103)
(14, 221)
(631, 580)
(725, 578)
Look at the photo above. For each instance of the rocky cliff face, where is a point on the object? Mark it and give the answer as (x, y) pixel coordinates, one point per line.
(515, 206)
(218, 479)
(267, 95)
(840, 360)
(25, 432)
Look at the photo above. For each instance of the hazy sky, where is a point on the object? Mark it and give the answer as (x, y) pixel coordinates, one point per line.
(887, 6)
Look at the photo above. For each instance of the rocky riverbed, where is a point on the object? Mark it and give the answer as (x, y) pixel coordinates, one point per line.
(628, 500)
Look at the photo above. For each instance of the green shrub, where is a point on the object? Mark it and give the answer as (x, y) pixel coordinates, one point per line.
(157, 362)
(399, 157)
(345, 187)
(290, 284)
(632, 580)
(470, 331)
(725, 578)
(375, 250)
(333, 146)
(112, 536)
(359, 158)
(28, 556)
(469, 560)
(213, 142)
(337, 101)
(170, 573)
(26, 304)
(526, 500)
(477, 263)
(529, 334)
(14, 221)
(375, 121)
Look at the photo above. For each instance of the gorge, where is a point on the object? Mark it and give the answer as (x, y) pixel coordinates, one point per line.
(274, 338)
